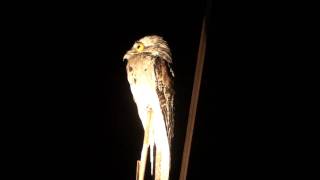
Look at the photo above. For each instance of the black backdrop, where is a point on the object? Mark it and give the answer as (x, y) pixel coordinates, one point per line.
(82, 120)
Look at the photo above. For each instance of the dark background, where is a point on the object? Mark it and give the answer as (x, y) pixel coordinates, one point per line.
(82, 121)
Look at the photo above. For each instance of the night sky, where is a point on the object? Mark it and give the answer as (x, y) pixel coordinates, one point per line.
(85, 123)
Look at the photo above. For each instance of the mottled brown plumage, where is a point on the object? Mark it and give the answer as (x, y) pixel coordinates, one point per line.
(151, 83)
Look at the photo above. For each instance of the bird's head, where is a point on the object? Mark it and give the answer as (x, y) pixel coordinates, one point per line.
(150, 46)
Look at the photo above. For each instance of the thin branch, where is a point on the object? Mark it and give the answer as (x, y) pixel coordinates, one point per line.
(194, 102)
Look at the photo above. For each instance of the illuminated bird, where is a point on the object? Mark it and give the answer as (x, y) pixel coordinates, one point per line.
(151, 82)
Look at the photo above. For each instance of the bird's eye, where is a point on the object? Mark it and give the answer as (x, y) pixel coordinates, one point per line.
(140, 47)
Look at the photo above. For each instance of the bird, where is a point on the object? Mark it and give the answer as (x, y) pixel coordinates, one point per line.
(151, 80)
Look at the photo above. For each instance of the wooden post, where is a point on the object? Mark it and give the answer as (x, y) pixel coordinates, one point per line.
(141, 165)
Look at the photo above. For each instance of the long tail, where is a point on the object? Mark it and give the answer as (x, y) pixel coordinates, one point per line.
(162, 163)
(162, 144)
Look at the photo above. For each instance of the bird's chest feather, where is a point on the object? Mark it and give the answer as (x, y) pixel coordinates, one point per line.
(140, 72)
(142, 80)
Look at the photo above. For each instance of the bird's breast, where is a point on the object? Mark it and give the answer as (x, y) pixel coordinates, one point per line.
(141, 77)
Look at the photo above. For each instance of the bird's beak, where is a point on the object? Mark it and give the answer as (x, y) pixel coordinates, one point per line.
(128, 55)
(125, 57)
